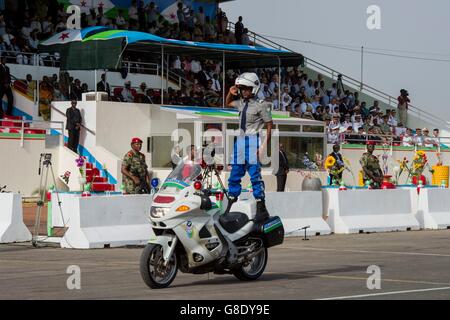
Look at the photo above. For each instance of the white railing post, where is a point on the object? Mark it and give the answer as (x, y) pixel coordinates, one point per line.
(22, 134)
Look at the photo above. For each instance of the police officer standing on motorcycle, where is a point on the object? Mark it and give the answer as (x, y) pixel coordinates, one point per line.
(253, 115)
(136, 178)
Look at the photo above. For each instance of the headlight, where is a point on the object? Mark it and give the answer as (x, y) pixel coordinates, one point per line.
(158, 212)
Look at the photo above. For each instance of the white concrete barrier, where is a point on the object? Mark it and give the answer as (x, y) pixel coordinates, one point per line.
(354, 211)
(433, 208)
(298, 210)
(117, 220)
(12, 228)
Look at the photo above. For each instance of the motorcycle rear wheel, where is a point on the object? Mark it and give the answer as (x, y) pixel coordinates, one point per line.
(254, 269)
(153, 271)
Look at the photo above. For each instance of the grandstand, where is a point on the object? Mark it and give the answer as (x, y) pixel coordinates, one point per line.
(175, 73)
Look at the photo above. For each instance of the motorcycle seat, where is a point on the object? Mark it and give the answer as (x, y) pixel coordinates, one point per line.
(233, 221)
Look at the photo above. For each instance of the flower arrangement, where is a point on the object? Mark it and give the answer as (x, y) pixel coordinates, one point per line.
(66, 177)
(415, 169)
(82, 179)
(311, 167)
(80, 164)
(334, 168)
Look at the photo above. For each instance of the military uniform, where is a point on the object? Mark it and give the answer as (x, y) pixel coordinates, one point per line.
(372, 164)
(134, 162)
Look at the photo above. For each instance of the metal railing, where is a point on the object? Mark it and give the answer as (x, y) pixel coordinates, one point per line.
(155, 69)
(23, 125)
(29, 58)
(350, 82)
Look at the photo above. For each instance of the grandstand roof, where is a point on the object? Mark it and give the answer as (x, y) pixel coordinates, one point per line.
(237, 56)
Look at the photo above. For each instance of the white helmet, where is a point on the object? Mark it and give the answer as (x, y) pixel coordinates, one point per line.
(249, 79)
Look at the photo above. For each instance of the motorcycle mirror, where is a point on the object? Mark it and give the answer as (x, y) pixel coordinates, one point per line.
(155, 182)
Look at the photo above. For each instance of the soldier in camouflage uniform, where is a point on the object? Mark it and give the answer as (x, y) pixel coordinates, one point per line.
(371, 167)
(134, 169)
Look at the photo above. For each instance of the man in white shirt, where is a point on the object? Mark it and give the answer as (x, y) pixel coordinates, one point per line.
(215, 83)
(357, 122)
(435, 139)
(418, 137)
(127, 95)
(428, 141)
(393, 118)
(408, 139)
(310, 91)
(196, 67)
(346, 123)
(333, 104)
(274, 83)
(286, 99)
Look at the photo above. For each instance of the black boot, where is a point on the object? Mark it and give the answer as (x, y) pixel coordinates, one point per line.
(261, 211)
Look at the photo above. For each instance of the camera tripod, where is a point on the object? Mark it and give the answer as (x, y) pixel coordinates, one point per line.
(47, 166)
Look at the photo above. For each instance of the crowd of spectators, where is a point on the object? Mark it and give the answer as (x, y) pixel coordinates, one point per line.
(24, 23)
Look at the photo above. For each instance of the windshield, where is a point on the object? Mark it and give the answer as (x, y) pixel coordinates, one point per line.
(183, 175)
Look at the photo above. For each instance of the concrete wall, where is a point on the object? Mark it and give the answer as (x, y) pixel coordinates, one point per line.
(19, 165)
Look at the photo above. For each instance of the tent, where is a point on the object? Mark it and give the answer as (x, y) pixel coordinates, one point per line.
(85, 49)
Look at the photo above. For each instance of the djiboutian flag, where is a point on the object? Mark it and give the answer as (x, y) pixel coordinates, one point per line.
(77, 54)
(86, 5)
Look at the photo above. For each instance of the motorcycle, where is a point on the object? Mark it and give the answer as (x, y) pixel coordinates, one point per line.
(193, 235)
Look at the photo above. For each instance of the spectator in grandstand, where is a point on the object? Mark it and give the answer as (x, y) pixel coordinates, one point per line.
(5, 87)
(357, 122)
(46, 96)
(393, 118)
(286, 99)
(212, 98)
(239, 30)
(399, 130)
(76, 90)
(31, 86)
(84, 88)
(133, 14)
(428, 141)
(245, 37)
(408, 138)
(436, 139)
(92, 18)
(384, 126)
(152, 12)
(346, 123)
(57, 96)
(104, 86)
(33, 42)
(120, 20)
(403, 101)
(308, 114)
(196, 67)
(127, 94)
(418, 137)
(73, 125)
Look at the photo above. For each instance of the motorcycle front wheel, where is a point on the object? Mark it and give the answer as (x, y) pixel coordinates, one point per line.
(153, 271)
(254, 268)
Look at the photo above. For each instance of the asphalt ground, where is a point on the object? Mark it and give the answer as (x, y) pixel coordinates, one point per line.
(412, 265)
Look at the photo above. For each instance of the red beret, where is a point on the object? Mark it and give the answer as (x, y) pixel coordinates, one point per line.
(136, 140)
(370, 143)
